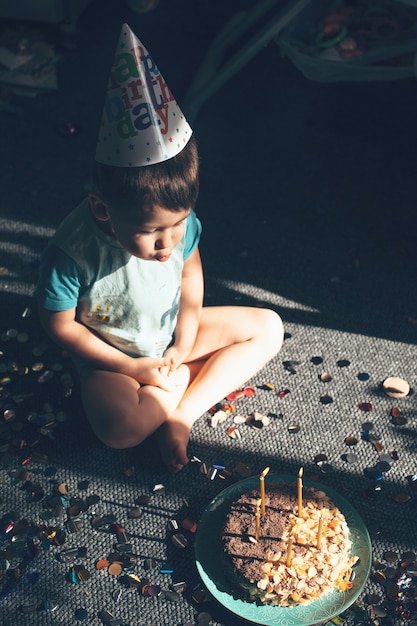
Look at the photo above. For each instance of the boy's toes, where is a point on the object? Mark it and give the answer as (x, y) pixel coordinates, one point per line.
(177, 460)
(173, 441)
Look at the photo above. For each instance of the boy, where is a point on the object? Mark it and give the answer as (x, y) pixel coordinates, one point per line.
(121, 282)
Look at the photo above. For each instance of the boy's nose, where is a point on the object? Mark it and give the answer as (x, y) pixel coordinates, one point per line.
(164, 241)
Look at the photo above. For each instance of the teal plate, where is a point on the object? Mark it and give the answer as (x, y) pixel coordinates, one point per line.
(211, 566)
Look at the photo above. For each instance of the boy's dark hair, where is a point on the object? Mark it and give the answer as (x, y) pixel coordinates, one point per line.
(172, 184)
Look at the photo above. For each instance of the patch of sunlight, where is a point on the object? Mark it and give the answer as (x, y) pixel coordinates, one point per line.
(18, 249)
(265, 295)
(15, 226)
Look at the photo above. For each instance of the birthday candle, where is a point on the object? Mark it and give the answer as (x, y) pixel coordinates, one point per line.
(257, 519)
(262, 489)
(289, 552)
(320, 531)
(300, 491)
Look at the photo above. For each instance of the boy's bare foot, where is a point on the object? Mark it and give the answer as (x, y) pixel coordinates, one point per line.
(173, 439)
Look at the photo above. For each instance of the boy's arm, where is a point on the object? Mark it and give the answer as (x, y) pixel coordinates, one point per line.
(79, 341)
(191, 302)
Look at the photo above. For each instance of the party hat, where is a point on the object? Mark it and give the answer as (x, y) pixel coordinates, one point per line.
(141, 123)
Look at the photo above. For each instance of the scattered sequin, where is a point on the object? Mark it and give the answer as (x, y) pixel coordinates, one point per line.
(343, 363)
(396, 387)
(293, 428)
(316, 360)
(402, 498)
(397, 418)
(351, 440)
(351, 458)
(283, 393)
(326, 399)
(179, 540)
(325, 377)
(366, 407)
(290, 366)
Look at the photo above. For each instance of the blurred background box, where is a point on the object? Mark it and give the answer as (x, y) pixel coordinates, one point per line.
(382, 58)
(51, 11)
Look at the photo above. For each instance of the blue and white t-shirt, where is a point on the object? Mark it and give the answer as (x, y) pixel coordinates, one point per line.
(132, 303)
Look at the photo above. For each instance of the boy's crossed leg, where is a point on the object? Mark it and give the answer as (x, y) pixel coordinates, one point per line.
(121, 412)
(233, 344)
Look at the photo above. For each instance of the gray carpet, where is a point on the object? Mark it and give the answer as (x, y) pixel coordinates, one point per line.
(307, 202)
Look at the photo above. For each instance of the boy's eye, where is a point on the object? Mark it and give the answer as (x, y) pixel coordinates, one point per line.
(150, 231)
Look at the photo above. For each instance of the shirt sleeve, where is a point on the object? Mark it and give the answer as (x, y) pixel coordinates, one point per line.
(192, 234)
(59, 281)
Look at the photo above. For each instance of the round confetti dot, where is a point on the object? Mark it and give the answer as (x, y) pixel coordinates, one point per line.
(325, 377)
(189, 524)
(115, 568)
(83, 574)
(143, 499)
(397, 418)
(49, 606)
(326, 399)
(396, 387)
(373, 598)
(179, 541)
(379, 577)
(343, 363)
(293, 428)
(373, 473)
(203, 619)
(154, 590)
(386, 458)
(93, 499)
(366, 407)
(172, 596)
(81, 614)
(316, 360)
(351, 458)
(401, 498)
(351, 440)
(233, 432)
(383, 466)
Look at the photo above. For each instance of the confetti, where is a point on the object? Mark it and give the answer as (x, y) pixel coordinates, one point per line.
(316, 360)
(326, 399)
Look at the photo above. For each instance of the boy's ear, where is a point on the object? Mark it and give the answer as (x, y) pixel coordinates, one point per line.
(98, 207)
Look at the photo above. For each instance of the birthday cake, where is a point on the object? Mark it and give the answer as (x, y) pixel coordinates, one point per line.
(284, 559)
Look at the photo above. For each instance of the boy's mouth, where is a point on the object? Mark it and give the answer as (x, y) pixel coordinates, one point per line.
(163, 258)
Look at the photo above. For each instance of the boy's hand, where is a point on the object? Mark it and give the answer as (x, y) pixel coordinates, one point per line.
(176, 357)
(156, 372)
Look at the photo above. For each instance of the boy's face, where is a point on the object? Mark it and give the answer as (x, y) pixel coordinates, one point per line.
(153, 239)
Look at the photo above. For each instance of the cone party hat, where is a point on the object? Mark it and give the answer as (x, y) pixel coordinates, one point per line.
(141, 122)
